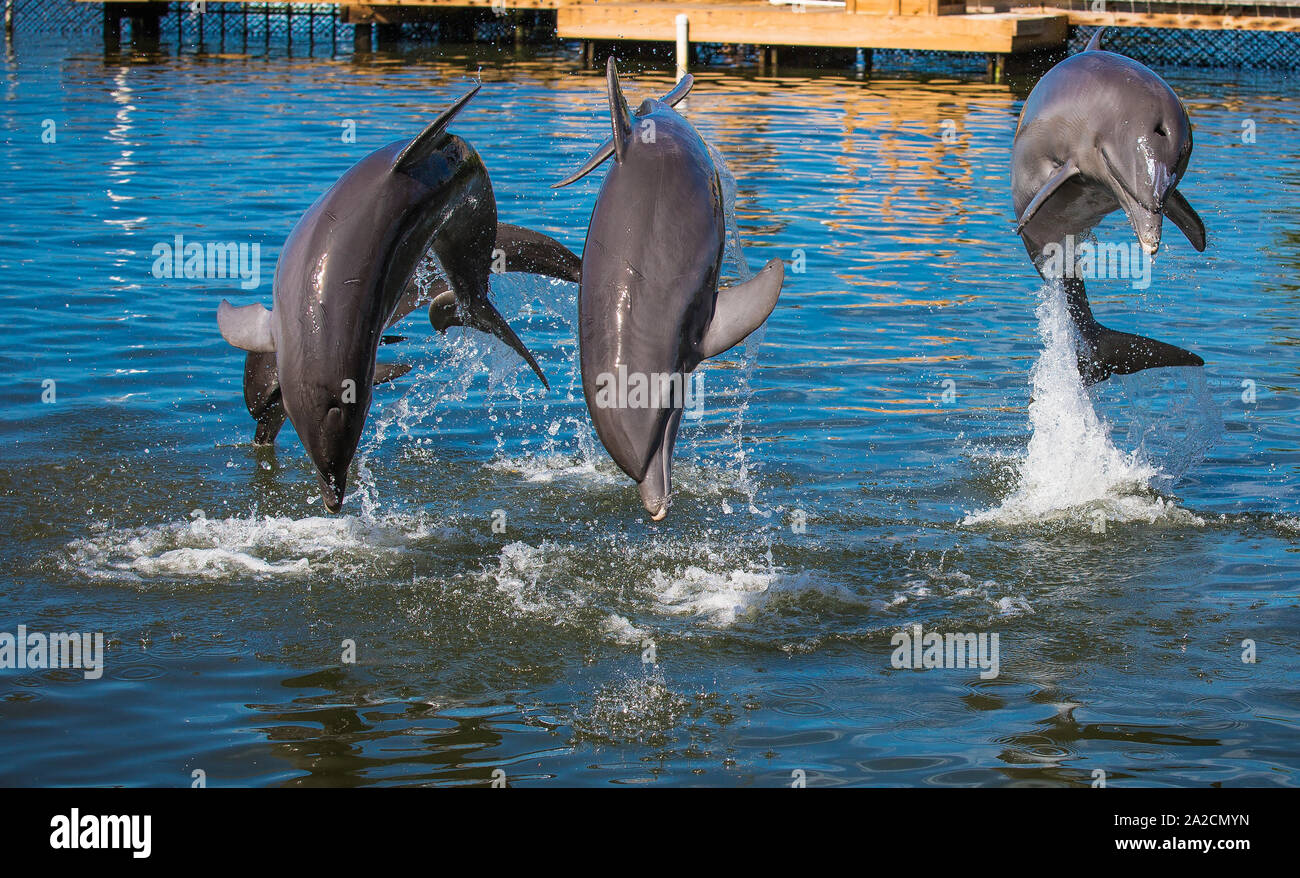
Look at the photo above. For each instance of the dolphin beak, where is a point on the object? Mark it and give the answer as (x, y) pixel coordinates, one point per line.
(1146, 223)
(1145, 220)
(331, 477)
(331, 491)
(654, 503)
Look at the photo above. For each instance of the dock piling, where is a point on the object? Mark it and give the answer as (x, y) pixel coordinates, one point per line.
(361, 39)
(683, 43)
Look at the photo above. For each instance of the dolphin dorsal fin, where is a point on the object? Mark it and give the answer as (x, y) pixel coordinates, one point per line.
(1094, 44)
(424, 143)
(619, 116)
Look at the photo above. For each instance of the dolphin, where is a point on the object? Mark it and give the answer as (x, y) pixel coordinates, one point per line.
(649, 306)
(343, 274)
(1099, 132)
(524, 250)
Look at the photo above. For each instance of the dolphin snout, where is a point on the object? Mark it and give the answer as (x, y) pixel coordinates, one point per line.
(331, 491)
(331, 476)
(653, 501)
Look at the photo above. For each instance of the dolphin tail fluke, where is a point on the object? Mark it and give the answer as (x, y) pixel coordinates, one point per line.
(620, 121)
(481, 315)
(1094, 44)
(535, 253)
(606, 149)
(1105, 352)
(1121, 353)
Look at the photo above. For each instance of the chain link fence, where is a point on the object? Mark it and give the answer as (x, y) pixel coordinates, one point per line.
(199, 25)
(1163, 47)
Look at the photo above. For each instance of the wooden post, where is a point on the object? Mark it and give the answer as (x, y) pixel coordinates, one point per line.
(996, 67)
(361, 39)
(9, 18)
(387, 36)
(683, 43)
(112, 27)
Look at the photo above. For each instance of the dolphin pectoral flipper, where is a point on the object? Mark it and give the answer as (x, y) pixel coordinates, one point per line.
(1186, 218)
(262, 397)
(1063, 173)
(247, 328)
(742, 309)
(535, 253)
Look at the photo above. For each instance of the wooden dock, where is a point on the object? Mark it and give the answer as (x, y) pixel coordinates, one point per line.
(997, 28)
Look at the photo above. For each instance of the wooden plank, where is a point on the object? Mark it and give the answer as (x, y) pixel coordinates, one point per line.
(1180, 21)
(775, 26)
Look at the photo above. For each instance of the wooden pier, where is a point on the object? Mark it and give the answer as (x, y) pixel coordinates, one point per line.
(998, 28)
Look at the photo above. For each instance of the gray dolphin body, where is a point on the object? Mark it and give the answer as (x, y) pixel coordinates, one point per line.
(524, 251)
(1100, 132)
(345, 274)
(649, 303)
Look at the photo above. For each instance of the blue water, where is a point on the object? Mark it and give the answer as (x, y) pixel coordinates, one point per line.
(906, 403)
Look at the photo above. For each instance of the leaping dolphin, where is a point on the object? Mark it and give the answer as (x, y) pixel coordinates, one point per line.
(342, 276)
(649, 306)
(1098, 132)
(524, 251)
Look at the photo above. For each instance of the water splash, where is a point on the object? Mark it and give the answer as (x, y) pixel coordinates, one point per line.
(1071, 468)
(222, 549)
(736, 388)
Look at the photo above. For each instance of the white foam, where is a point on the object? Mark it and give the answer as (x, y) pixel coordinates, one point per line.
(263, 546)
(719, 597)
(620, 629)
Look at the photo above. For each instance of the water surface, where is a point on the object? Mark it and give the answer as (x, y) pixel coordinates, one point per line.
(898, 446)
